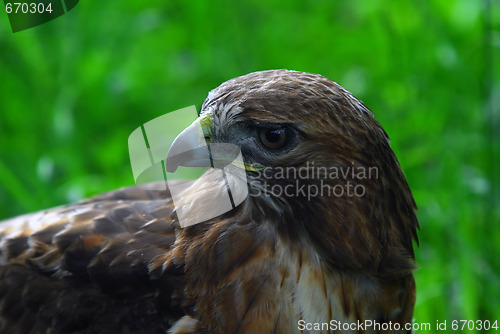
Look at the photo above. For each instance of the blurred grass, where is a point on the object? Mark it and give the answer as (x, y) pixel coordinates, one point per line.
(72, 90)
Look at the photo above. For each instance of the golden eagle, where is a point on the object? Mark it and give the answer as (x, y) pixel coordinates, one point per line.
(322, 243)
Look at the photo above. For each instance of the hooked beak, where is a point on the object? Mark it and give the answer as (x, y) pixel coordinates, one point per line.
(190, 148)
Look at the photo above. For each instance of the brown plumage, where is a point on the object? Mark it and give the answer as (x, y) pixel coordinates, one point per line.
(120, 262)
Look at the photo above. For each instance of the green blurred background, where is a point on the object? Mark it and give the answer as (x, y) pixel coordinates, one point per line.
(72, 90)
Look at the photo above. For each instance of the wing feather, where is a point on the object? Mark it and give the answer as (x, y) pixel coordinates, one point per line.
(86, 269)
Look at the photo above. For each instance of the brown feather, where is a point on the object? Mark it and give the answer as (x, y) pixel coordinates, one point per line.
(119, 262)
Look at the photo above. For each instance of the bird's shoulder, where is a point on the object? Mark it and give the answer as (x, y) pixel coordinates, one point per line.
(104, 256)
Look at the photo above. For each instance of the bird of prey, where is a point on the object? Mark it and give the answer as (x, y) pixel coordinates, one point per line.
(287, 259)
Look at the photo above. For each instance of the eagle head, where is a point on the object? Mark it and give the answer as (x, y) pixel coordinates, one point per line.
(317, 165)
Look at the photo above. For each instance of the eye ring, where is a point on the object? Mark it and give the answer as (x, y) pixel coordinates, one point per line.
(274, 138)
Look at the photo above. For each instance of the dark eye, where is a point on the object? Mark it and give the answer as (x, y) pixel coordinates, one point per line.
(273, 138)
